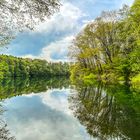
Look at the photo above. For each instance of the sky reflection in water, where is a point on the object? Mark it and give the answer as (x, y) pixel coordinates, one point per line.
(43, 116)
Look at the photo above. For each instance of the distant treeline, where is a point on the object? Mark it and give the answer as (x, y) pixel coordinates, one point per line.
(11, 66)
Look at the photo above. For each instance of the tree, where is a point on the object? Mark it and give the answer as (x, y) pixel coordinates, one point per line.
(16, 15)
(97, 44)
(20, 67)
(109, 46)
(4, 132)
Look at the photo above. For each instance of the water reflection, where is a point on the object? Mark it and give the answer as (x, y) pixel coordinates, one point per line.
(47, 108)
(13, 87)
(108, 111)
(42, 114)
(4, 132)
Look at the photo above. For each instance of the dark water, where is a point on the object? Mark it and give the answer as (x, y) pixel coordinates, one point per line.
(52, 109)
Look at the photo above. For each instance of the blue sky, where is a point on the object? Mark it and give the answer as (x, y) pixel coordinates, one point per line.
(50, 40)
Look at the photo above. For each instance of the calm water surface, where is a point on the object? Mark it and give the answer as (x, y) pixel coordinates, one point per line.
(51, 109)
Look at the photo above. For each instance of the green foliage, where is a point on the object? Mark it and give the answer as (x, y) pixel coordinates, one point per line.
(136, 81)
(18, 15)
(108, 111)
(109, 47)
(18, 67)
(17, 86)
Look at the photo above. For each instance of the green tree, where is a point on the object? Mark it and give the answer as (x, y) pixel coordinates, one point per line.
(16, 15)
(109, 46)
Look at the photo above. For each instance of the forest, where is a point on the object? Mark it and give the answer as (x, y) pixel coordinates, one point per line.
(91, 91)
(108, 48)
(11, 66)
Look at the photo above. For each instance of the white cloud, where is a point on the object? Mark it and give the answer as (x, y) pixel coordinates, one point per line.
(29, 56)
(55, 51)
(63, 25)
(58, 50)
(65, 20)
(61, 28)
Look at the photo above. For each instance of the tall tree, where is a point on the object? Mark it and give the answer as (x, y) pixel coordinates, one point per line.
(109, 46)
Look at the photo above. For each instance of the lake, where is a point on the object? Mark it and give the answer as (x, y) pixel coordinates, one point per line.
(53, 109)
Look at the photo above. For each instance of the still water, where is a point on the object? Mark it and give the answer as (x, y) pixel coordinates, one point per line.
(52, 109)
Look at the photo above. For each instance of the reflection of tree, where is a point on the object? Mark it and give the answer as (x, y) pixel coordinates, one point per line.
(4, 132)
(12, 87)
(108, 112)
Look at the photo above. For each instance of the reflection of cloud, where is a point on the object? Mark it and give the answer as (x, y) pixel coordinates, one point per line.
(43, 117)
(57, 100)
